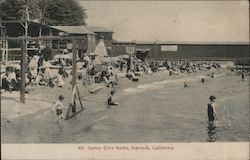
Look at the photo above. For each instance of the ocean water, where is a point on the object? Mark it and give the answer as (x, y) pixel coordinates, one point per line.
(161, 111)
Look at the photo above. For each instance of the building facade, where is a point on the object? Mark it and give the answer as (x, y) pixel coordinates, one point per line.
(185, 50)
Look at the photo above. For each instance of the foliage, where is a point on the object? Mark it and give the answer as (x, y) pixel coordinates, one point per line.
(50, 12)
(16, 9)
(64, 12)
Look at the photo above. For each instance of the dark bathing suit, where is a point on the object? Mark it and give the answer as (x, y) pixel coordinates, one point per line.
(210, 113)
(110, 101)
(59, 112)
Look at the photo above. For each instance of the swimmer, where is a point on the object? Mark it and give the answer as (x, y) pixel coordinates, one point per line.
(110, 101)
(202, 80)
(212, 75)
(185, 85)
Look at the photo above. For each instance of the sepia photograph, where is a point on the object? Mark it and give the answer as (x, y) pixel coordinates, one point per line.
(141, 75)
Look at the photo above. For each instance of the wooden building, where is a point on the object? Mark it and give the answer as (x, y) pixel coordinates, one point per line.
(185, 50)
(17, 28)
(86, 46)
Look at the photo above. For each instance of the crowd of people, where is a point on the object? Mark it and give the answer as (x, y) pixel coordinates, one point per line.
(91, 69)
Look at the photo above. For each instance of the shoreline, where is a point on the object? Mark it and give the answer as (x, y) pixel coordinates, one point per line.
(124, 84)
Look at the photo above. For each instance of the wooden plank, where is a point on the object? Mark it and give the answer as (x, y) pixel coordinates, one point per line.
(23, 68)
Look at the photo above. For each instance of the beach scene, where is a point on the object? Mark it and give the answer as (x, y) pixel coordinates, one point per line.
(68, 75)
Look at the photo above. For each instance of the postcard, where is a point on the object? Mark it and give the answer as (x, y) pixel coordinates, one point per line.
(128, 80)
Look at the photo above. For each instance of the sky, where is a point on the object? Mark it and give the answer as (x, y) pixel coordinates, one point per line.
(196, 21)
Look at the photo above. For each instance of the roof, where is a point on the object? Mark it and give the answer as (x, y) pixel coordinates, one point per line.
(99, 29)
(182, 42)
(73, 29)
(29, 22)
(193, 42)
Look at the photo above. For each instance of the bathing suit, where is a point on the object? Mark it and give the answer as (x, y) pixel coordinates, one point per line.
(210, 112)
(59, 111)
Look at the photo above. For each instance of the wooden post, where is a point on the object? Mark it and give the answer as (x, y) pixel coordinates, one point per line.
(6, 52)
(23, 69)
(74, 49)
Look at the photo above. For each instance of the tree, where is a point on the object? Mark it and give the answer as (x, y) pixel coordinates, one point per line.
(50, 12)
(16, 9)
(64, 12)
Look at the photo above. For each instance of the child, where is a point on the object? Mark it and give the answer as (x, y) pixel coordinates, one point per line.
(110, 100)
(185, 85)
(211, 110)
(59, 106)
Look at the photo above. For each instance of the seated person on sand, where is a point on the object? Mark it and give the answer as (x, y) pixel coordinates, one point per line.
(108, 79)
(110, 101)
(46, 78)
(5, 83)
(12, 81)
(131, 75)
(63, 72)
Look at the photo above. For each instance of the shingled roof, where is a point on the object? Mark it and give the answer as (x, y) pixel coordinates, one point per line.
(73, 29)
(99, 29)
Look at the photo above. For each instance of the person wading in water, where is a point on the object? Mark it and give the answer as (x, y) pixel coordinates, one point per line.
(59, 107)
(110, 101)
(211, 110)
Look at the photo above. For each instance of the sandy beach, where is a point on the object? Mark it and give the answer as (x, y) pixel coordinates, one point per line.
(155, 109)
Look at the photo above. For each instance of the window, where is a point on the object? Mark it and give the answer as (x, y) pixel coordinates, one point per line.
(170, 48)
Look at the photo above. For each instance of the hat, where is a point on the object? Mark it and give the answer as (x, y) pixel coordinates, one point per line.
(61, 97)
(212, 97)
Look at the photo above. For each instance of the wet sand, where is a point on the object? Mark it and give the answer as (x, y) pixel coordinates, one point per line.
(157, 109)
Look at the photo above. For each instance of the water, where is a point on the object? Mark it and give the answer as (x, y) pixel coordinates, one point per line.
(155, 112)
